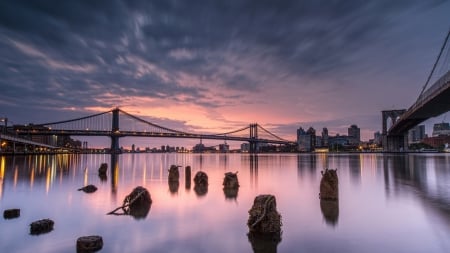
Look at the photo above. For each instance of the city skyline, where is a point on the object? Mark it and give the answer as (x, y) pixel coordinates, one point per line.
(213, 67)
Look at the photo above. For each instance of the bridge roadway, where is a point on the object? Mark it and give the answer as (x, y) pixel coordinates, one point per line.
(434, 102)
(120, 134)
(24, 141)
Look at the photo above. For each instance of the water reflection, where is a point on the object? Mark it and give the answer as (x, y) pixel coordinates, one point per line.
(417, 174)
(173, 186)
(253, 165)
(330, 211)
(114, 174)
(264, 243)
(354, 165)
(397, 195)
(307, 164)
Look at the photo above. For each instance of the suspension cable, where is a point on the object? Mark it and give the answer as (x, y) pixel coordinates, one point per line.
(434, 66)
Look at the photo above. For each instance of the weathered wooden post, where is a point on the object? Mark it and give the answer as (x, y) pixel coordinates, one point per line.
(187, 175)
(230, 185)
(201, 183)
(174, 173)
(329, 196)
(329, 188)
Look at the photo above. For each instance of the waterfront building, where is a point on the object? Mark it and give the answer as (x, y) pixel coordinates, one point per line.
(354, 134)
(377, 138)
(306, 140)
(224, 148)
(441, 129)
(416, 134)
(245, 147)
(325, 137)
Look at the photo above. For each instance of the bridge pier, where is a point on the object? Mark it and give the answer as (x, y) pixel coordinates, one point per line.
(115, 148)
(391, 142)
(395, 143)
(253, 138)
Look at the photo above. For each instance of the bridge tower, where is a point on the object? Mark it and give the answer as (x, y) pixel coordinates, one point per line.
(115, 134)
(393, 143)
(253, 138)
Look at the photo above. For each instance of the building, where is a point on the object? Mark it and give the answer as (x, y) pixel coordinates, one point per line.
(223, 148)
(306, 140)
(441, 129)
(354, 134)
(416, 134)
(245, 147)
(437, 141)
(377, 138)
(325, 137)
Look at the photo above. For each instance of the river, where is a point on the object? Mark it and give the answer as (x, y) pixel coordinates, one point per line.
(387, 202)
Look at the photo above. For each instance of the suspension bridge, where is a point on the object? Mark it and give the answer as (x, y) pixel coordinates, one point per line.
(117, 123)
(431, 102)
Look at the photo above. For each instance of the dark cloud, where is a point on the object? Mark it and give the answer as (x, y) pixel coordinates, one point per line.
(62, 54)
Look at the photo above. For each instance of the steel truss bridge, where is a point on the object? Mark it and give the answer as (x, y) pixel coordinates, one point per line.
(117, 123)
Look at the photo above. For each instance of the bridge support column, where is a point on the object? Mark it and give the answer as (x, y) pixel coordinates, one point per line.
(115, 133)
(395, 143)
(253, 138)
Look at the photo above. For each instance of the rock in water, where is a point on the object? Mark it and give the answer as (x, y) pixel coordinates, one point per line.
(139, 201)
(41, 226)
(90, 243)
(11, 213)
(88, 188)
(329, 189)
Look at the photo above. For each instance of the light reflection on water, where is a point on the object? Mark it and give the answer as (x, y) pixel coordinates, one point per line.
(387, 202)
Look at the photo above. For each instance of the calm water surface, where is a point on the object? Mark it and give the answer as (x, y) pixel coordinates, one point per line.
(388, 203)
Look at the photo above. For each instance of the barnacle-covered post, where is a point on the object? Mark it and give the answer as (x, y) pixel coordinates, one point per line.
(264, 224)
(230, 185)
(201, 183)
(264, 217)
(329, 188)
(136, 204)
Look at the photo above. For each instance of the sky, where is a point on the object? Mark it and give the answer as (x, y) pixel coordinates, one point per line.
(215, 66)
